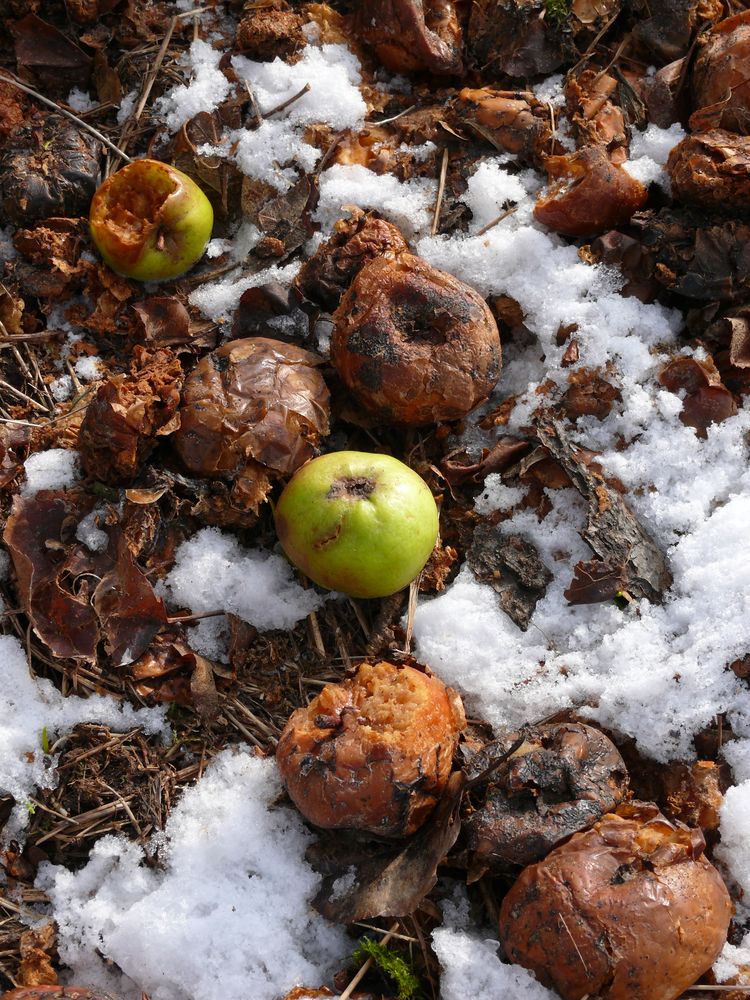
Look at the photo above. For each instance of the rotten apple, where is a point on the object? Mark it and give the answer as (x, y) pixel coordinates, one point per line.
(358, 523)
(150, 221)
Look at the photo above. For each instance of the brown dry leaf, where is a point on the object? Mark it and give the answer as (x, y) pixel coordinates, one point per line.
(106, 81)
(631, 257)
(286, 218)
(696, 256)
(721, 77)
(13, 110)
(203, 690)
(14, 442)
(128, 414)
(11, 311)
(589, 394)
(665, 95)
(694, 792)
(596, 580)
(392, 885)
(75, 597)
(512, 567)
(129, 612)
(55, 60)
(214, 173)
(164, 320)
(707, 400)
(503, 454)
(612, 531)
(38, 948)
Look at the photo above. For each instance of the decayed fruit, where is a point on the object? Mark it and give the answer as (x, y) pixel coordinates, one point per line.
(561, 780)
(252, 411)
(358, 523)
(373, 753)
(721, 77)
(150, 221)
(629, 910)
(59, 993)
(411, 35)
(588, 194)
(414, 344)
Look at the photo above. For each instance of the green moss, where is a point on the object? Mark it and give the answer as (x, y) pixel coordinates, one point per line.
(557, 10)
(392, 964)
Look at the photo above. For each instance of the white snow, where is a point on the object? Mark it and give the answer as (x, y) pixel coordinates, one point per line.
(54, 469)
(80, 101)
(62, 388)
(212, 571)
(218, 299)
(90, 534)
(225, 916)
(496, 496)
(471, 970)
(28, 706)
(271, 151)
(206, 90)
(88, 367)
(649, 152)
(408, 204)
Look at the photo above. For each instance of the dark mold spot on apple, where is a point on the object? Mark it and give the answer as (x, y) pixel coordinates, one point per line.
(351, 488)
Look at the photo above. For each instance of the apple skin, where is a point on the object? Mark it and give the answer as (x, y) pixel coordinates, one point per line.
(150, 221)
(359, 523)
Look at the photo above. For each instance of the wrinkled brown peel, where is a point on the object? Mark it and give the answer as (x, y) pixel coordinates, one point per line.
(629, 910)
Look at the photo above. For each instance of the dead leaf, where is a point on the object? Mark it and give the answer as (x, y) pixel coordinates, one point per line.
(203, 690)
(38, 947)
(504, 453)
(394, 885)
(75, 597)
(51, 56)
(596, 581)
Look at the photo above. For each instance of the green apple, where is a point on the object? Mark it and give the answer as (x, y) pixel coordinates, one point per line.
(150, 221)
(359, 523)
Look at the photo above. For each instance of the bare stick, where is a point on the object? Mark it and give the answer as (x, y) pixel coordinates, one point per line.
(285, 104)
(490, 225)
(441, 189)
(68, 114)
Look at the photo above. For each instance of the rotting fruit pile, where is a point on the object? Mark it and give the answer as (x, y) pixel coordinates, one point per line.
(329, 412)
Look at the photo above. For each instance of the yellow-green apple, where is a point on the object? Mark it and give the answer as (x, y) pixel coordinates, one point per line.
(359, 523)
(150, 221)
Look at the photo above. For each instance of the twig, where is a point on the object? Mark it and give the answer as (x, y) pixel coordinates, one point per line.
(366, 967)
(285, 104)
(180, 619)
(148, 84)
(387, 121)
(441, 189)
(491, 225)
(68, 114)
(22, 395)
(589, 51)
(411, 610)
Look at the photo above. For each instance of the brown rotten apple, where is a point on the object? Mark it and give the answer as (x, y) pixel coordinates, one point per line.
(561, 780)
(150, 221)
(629, 910)
(415, 345)
(373, 753)
(59, 993)
(253, 410)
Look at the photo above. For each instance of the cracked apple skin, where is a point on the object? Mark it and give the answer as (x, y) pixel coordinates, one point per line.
(359, 523)
(150, 221)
